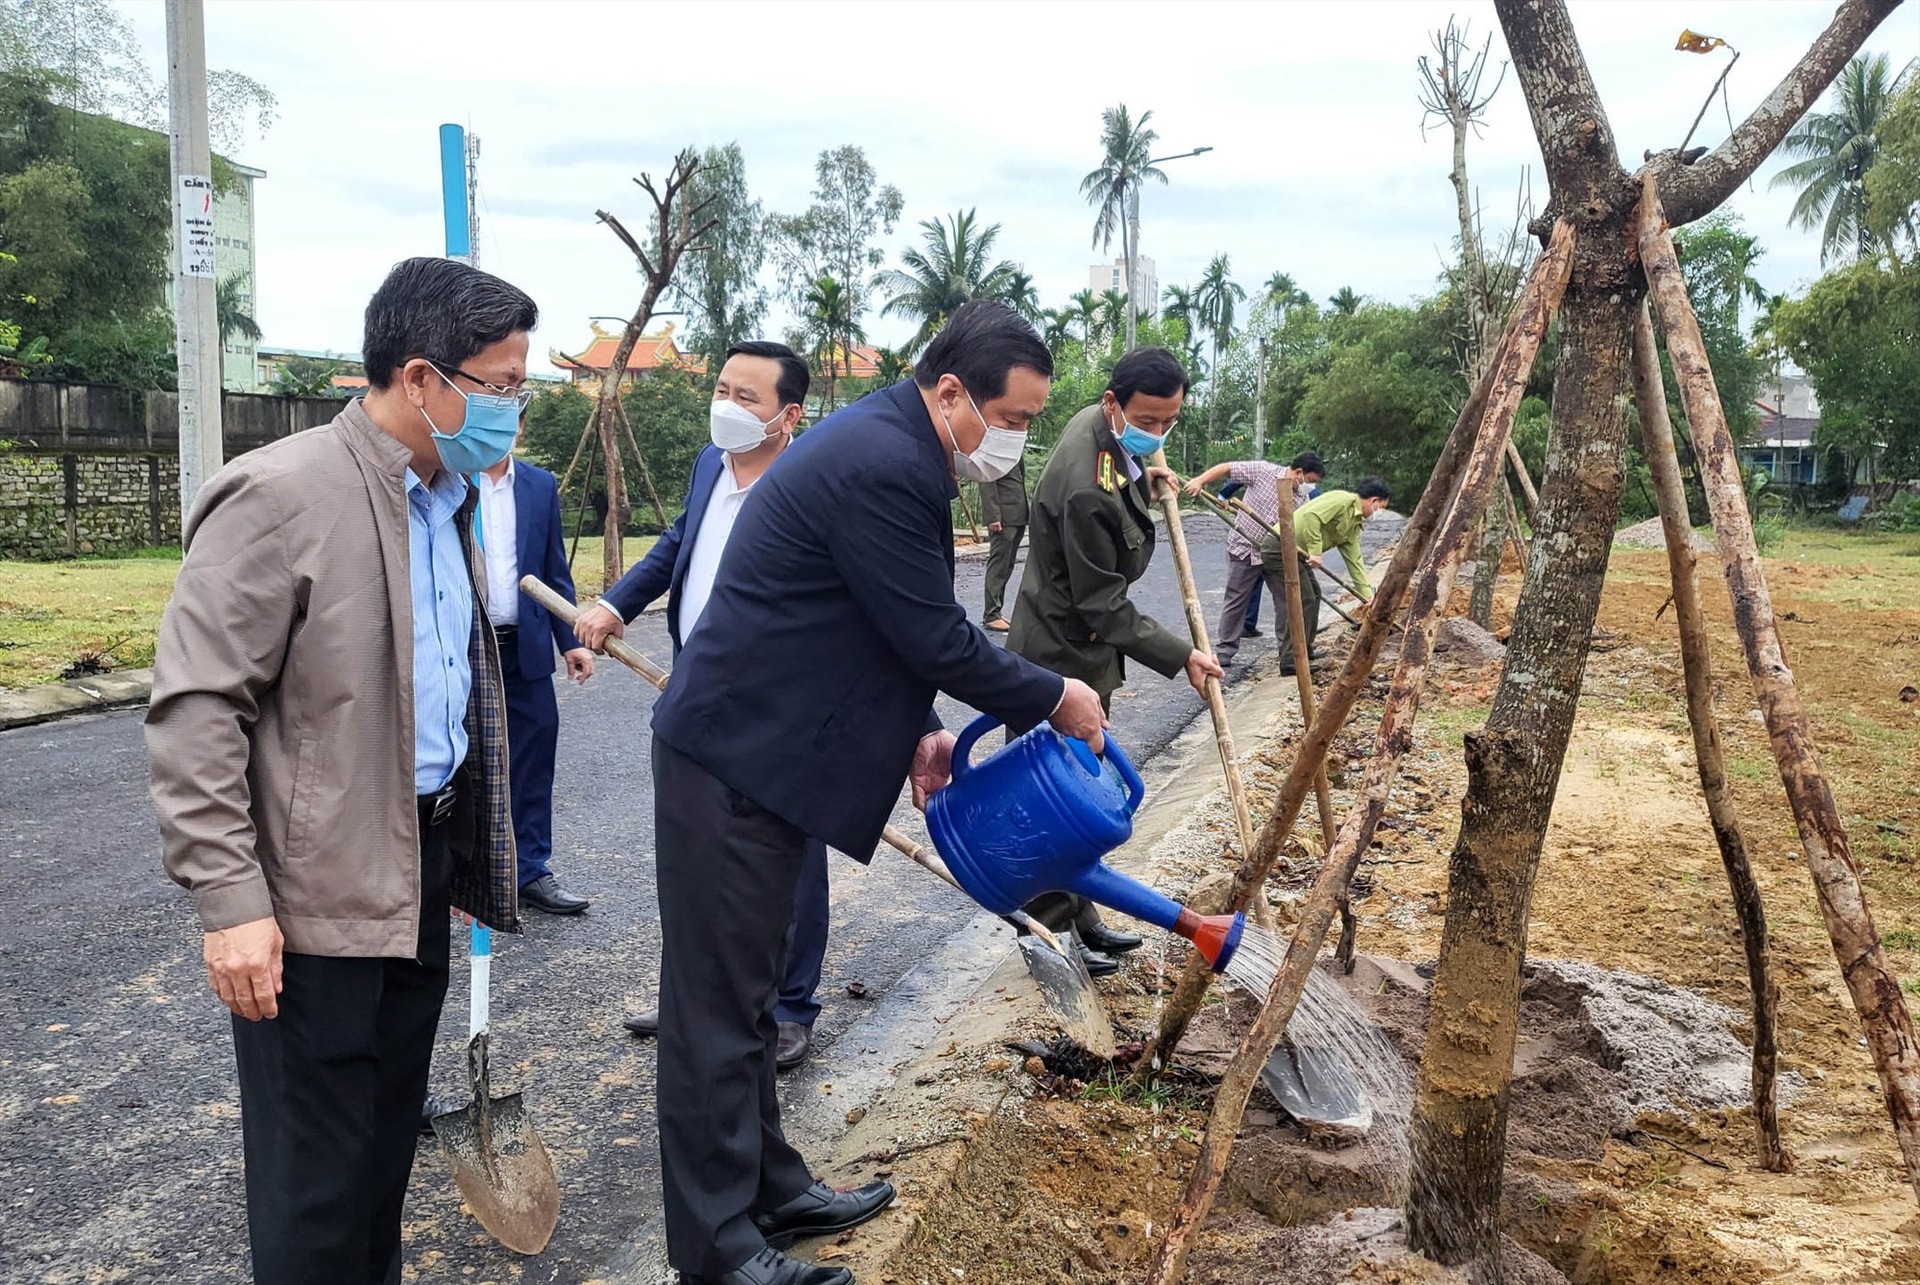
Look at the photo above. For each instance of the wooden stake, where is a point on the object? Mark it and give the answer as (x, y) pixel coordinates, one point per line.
(1303, 674)
(1663, 463)
(1514, 532)
(1843, 903)
(1523, 477)
(1216, 703)
(967, 510)
(1549, 272)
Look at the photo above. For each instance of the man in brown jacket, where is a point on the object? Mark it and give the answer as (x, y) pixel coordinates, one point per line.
(328, 748)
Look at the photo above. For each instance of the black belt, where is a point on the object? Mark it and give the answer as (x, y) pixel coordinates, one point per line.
(501, 632)
(436, 808)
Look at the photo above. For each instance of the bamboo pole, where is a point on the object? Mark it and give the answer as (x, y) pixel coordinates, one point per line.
(1663, 463)
(1303, 674)
(1216, 703)
(1843, 903)
(1514, 532)
(1218, 507)
(1549, 271)
(1523, 477)
(1434, 584)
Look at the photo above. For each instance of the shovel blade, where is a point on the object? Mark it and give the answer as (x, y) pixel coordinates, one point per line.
(1070, 994)
(503, 1171)
(1318, 1087)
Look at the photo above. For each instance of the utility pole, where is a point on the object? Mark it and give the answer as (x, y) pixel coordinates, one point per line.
(473, 199)
(196, 320)
(1260, 404)
(453, 193)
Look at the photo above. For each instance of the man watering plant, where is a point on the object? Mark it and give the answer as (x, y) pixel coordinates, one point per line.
(1092, 537)
(795, 709)
(328, 746)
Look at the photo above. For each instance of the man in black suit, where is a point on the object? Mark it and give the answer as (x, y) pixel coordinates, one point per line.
(519, 526)
(804, 697)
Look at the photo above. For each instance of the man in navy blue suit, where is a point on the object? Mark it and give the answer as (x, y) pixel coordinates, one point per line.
(519, 524)
(803, 698)
(757, 402)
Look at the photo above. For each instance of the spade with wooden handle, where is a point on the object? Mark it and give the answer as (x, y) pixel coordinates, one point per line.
(1055, 967)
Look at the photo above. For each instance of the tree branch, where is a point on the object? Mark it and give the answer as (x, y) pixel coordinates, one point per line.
(1576, 142)
(1692, 192)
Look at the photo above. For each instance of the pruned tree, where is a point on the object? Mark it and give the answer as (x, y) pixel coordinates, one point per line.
(679, 222)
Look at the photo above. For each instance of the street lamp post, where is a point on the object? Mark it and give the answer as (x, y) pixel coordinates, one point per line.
(1130, 237)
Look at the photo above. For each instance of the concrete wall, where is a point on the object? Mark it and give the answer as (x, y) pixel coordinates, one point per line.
(90, 468)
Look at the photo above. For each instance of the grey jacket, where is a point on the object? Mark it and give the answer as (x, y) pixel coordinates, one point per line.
(281, 730)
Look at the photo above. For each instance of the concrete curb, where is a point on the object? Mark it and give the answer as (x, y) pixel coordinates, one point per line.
(48, 701)
(922, 1130)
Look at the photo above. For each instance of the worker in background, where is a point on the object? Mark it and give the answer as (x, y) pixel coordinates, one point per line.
(1260, 484)
(1331, 520)
(1092, 538)
(1003, 506)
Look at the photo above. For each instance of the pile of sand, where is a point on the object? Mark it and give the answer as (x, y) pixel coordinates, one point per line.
(1651, 535)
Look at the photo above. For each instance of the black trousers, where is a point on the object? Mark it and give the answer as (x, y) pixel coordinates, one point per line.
(1272, 568)
(727, 873)
(330, 1094)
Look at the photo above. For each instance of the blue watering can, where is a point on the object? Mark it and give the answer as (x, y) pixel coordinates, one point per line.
(1039, 815)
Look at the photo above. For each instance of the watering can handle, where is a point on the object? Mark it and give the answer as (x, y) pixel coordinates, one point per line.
(963, 747)
(1136, 788)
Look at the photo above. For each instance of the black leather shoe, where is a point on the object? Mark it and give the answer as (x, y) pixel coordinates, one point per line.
(822, 1211)
(771, 1267)
(795, 1042)
(1098, 965)
(545, 893)
(1251, 632)
(435, 1105)
(1108, 941)
(645, 1024)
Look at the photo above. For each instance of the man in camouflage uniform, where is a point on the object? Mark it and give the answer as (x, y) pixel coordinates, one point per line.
(1003, 507)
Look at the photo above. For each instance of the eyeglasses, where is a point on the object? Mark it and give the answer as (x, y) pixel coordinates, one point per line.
(519, 394)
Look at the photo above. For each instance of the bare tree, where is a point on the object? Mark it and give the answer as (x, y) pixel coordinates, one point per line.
(1451, 90)
(1460, 1117)
(678, 227)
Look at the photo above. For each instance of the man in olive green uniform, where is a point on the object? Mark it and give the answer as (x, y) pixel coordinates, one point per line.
(1330, 520)
(1091, 538)
(1003, 507)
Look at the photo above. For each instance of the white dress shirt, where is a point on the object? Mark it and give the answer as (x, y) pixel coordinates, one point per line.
(709, 542)
(500, 534)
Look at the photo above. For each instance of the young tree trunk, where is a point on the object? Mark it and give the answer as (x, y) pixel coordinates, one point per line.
(1458, 1137)
(1523, 477)
(1549, 272)
(1856, 943)
(646, 474)
(1303, 675)
(1395, 737)
(1486, 573)
(1514, 533)
(612, 561)
(1656, 433)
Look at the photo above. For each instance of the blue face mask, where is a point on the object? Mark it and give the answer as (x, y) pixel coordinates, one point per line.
(1137, 441)
(486, 434)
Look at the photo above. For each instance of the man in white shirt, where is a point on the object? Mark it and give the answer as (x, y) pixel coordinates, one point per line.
(1261, 483)
(520, 534)
(757, 403)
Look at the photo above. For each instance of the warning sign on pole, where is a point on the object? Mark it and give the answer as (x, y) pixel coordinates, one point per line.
(196, 226)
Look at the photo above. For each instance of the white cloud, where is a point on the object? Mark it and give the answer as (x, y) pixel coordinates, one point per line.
(1319, 168)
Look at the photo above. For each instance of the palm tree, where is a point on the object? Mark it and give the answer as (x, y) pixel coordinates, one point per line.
(1114, 189)
(1182, 305)
(1056, 327)
(1113, 315)
(953, 269)
(1837, 148)
(1086, 310)
(1283, 294)
(1020, 295)
(1346, 303)
(831, 330)
(233, 314)
(891, 366)
(1216, 296)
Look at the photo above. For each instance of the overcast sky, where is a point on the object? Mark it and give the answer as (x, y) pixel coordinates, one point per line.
(1319, 168)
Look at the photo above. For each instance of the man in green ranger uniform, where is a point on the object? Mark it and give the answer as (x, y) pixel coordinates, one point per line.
(1090, 533)
(1003, 507)
(1330, 520)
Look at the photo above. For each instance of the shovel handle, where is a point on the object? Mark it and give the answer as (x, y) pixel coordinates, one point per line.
(633, 658)
(480, 962)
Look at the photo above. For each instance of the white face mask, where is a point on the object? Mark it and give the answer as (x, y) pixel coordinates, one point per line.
(737, 430)
(994, 458)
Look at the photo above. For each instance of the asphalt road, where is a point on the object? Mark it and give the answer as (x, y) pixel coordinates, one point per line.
(119, 1116)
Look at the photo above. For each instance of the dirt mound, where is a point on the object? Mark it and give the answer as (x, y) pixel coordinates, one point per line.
(1651, 535)
(1465, 645)
(1357, 1245)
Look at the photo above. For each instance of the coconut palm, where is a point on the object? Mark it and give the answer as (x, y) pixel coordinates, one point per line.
(831, 330)
(233, 314)
(1114, 188)
(1836, 149)
(953, 268)
(1346, 303)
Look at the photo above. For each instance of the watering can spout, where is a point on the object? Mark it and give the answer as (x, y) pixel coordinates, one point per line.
(1216, 937)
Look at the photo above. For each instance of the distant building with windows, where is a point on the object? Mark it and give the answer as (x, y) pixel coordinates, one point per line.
(233, 256)
(1102, 277)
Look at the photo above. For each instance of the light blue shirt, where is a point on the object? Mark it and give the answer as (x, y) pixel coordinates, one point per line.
(442, 627)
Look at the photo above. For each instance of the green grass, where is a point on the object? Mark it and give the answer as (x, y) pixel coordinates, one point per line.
(1886, 565)
(51, 613)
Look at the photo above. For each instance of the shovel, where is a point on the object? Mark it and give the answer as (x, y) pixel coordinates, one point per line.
(498, 1161)
(1318, 1087)
(1057, 969)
